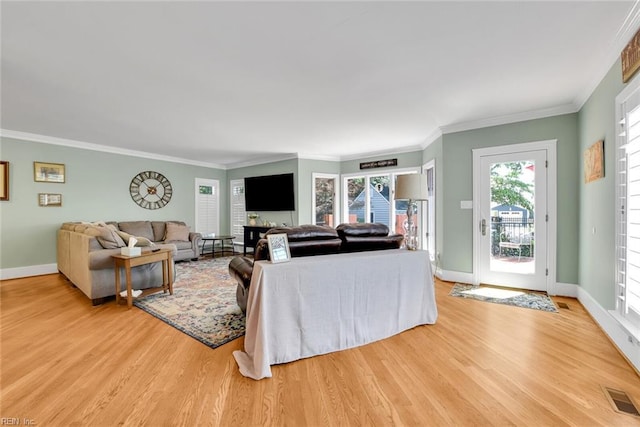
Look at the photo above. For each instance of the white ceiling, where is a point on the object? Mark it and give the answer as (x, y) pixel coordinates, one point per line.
(232, 83)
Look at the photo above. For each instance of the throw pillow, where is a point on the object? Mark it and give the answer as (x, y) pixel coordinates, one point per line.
(109, 239)
(141, 241)
(176, 232)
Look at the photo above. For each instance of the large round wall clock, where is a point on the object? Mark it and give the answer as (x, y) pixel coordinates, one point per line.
(151, 190)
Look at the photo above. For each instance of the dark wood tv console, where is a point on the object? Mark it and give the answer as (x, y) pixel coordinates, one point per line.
(253, 233)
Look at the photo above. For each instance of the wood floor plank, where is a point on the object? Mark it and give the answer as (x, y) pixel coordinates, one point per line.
(67, 363)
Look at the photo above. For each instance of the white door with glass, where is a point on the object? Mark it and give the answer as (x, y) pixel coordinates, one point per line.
(511, 217)
(325, 199)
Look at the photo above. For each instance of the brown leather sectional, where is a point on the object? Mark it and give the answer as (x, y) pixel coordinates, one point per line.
(310, 240)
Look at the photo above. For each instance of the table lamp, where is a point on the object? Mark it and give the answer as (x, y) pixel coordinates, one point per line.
(411, 187)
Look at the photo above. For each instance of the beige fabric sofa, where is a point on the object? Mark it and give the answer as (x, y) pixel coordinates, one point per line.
(84, 254)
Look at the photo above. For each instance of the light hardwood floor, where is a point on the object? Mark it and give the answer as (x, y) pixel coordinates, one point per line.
(66, 363)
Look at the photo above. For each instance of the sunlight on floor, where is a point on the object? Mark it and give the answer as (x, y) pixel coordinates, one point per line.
(493, 293)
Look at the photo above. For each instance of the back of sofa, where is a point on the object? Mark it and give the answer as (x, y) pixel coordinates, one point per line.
(358, 237)
(304, 240)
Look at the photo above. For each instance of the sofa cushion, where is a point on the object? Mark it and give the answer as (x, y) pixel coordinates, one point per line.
(305, 232)
(137, 228)
(159, 230)
(180, 244)
(362, 229)
(108, 238)
(176, 232)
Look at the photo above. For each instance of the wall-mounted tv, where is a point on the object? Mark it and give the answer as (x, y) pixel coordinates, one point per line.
(269, 193)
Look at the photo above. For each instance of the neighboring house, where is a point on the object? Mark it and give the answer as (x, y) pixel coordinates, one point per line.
(510, 213)
(380, 206)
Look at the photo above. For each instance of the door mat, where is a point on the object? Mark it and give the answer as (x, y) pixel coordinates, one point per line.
(514, 297)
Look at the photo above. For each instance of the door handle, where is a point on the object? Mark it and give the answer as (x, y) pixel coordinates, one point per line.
(483, 227)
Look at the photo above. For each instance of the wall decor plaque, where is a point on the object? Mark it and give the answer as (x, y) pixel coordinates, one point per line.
(4, 180)
(630, 58)
(594, 162)
(379, 164)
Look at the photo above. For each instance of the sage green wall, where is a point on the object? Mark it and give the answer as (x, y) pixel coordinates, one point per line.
(596, 121)
(274, 168)
(457, 249)
(96, 188)
(434, 152)
(307, 168)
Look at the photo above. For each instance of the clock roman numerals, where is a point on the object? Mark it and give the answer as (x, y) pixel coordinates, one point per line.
(150, 190)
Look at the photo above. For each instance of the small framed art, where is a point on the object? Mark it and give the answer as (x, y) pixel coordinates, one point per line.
(278, 247)
(50, 200)
(4, 180)
(594, 162)
(48, 172)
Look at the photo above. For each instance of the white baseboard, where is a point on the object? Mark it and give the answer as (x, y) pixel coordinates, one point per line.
(32, 270)
(625, 342)
(454, 276)
(564, 290)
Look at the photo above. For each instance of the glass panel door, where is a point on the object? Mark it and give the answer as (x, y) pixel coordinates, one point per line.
(325, 199)
(512, 228)
(356, 197)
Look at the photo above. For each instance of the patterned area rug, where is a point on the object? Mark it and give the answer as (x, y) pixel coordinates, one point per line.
(203, 304)
(513, 297)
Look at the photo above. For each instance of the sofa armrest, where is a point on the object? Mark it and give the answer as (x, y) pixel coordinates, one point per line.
(196, 241)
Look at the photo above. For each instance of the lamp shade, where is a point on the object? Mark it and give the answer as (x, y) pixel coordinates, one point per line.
(411, 186)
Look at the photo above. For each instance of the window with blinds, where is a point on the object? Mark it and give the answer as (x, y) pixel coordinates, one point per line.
(207, 206)
(238, 212)
(628, 206)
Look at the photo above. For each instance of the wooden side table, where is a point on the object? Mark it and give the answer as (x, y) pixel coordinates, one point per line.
(252, 234)
(123, 261)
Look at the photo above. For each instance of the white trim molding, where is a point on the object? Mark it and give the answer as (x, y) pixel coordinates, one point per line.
(32, 137)
(454, 276)
(626, 343)
(28, 271)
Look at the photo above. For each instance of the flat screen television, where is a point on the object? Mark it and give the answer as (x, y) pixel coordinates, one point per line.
(269, 193)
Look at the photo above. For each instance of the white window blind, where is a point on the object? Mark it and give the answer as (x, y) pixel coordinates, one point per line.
(238, 212)
(628, 208)
(207, 206)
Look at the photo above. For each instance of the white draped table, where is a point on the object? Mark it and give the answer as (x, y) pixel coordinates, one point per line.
(320, 304)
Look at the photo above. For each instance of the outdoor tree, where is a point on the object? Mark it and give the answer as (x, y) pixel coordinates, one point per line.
(507, 186)
(324, 198)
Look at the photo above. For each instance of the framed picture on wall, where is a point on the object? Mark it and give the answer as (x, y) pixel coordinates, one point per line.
(4, 180)
(278, 247)
(594, 162)
(48, 172)
(49, 200)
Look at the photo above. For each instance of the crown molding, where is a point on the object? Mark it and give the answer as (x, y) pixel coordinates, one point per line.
(626, 31)
(32, 137)
(431, 138)
(262, 161)
(509, 118)
(319, 157)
